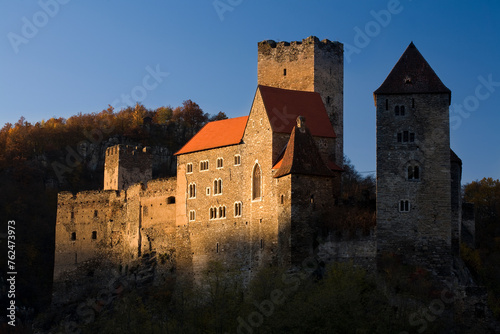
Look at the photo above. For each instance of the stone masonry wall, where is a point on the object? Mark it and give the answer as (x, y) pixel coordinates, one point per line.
(112, 224)
(308, 65)
(423, 234)
(126, 165)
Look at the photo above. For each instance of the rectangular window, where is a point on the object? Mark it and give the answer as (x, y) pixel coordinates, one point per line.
(400, 138)
(192, 215)
(237, 160)
(94, 235)
(189, 168)
(404, 206)
(208, 191)
(73, 236)
(237, 209)
(220, 163)
(72, 215)
(405, 136)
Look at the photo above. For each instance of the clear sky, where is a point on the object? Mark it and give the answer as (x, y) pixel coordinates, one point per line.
(61, 57)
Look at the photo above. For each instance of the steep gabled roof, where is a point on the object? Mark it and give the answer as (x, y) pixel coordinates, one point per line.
(412, 75)
(454, 158)
(216, 134)
(283, 106)
(302, 155)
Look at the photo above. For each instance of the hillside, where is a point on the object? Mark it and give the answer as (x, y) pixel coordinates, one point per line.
(39, 160)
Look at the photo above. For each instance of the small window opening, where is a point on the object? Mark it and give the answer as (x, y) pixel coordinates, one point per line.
(404, 206)
(95, 213)
(413, 173)
(217, 249)
(261, 244)
(328, 100)
(400, 139)
(73, 236)
(72, 215)
(94, 235)
(396, 110)
(284, 72)
(386, 104)
(282, 199)
(171, 200)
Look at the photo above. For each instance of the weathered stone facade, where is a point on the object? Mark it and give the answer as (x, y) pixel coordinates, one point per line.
(226, 203)
(308, 65)
(418, 184)
(256, 191)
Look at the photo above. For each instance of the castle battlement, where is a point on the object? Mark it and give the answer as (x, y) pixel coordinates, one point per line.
(306, 41)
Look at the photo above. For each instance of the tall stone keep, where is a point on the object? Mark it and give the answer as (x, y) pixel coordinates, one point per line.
(310, 65)
(413, 165)
(126, 165)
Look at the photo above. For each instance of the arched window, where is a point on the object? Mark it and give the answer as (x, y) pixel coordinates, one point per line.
(192, 190)
(256, 182)
(413, 173)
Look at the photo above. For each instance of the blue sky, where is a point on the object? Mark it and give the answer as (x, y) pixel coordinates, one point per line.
(61, 57)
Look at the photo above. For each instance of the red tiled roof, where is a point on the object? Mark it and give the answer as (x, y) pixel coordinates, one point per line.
(283, 106)
(302, 155)
(412, 74)
(216, 134)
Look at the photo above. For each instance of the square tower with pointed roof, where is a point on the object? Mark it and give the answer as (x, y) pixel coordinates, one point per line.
(413, 165)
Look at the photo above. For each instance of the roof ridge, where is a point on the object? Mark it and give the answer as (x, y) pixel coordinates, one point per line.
(302, 155)
(412, 74)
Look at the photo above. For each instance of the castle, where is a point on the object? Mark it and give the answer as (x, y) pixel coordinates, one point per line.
(252, 191)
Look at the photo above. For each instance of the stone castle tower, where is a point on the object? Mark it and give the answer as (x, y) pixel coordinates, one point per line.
(126, 165)
(414, 214)
(310, 65)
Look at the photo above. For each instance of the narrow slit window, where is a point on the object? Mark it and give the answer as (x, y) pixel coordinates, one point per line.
(386, 104)
(256, 182)
(284, 72)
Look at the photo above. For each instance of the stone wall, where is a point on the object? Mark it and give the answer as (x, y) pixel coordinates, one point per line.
(112, 224)
(126, 165)
(456, 206)
(308, 65)
(423, 234)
